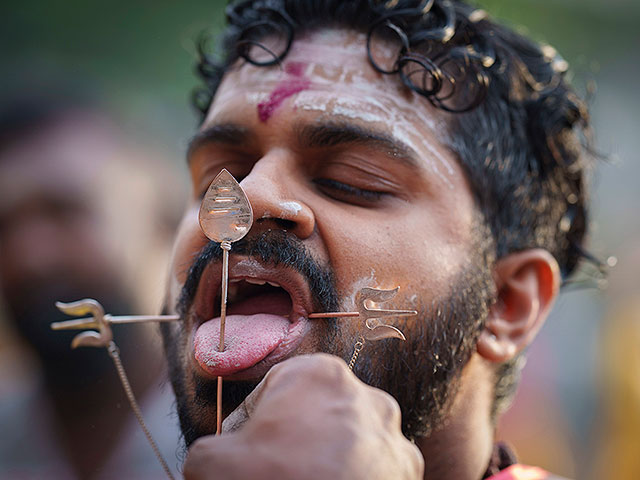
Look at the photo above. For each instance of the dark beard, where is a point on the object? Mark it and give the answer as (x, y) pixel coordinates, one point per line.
(422, 374)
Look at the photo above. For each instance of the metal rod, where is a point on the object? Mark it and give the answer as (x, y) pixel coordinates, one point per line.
(226, 246)
(219, 407)
(75, 324)
(223, 303)
(114, 353)
(90, 322)
(334, 314)
(143, 318)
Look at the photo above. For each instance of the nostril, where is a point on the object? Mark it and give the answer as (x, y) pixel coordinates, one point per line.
(285, 224)
(280, 222)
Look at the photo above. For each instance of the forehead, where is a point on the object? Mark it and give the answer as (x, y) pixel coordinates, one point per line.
(327, 76)
(330, 64)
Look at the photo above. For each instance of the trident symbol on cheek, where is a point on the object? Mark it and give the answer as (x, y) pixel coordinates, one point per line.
(374, 328)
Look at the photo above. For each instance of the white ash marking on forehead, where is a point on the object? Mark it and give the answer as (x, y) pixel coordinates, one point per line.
(402, 134)
(356, 114)
(255, 98)
(313, 101)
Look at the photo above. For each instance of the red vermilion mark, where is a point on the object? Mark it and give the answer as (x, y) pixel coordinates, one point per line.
(295, 68)
(294, 83)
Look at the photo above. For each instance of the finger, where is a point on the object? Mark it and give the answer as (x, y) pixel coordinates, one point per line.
(200, 459)
(319, 368)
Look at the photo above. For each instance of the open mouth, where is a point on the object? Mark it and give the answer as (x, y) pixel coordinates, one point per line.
(265, 320)
(251, 296)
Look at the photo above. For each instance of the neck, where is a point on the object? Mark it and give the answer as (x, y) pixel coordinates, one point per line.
(462, 447)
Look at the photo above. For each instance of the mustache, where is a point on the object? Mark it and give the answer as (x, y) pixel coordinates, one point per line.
(274, 247)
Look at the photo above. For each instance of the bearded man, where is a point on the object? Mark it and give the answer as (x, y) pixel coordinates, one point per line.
(409, 143)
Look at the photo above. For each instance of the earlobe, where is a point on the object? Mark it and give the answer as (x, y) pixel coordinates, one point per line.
(527, 284)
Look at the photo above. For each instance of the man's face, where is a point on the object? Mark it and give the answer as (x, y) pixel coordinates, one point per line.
(53, 243)
(351, 186)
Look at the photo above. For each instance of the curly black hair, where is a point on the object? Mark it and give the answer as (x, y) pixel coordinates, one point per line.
(520, 131)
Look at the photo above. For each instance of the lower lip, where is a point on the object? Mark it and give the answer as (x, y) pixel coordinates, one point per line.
(261, 363)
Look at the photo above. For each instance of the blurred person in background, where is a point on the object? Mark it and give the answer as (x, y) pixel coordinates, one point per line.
(64, 172)
(618, 444)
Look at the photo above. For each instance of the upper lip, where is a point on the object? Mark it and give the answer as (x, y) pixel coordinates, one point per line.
(250, 268)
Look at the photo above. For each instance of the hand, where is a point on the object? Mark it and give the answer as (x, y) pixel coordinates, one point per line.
(310, 418)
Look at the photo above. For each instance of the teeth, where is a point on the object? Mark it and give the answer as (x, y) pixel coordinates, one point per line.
(274, 284)
(255, 281)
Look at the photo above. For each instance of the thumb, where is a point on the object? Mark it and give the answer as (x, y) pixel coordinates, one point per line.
(236, 419)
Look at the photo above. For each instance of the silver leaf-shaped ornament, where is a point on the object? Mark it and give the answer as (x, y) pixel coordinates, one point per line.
(225, 212)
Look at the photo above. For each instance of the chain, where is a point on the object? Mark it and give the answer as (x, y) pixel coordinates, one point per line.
(357, 347)
(114, 352)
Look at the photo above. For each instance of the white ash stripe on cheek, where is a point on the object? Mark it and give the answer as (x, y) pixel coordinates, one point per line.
(349, 304)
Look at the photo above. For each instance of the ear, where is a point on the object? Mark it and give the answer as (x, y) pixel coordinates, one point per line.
(527, 283)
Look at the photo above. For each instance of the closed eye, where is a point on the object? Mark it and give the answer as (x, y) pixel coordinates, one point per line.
(347, 193)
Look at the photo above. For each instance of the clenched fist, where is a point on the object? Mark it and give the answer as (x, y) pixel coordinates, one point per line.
(310, 418)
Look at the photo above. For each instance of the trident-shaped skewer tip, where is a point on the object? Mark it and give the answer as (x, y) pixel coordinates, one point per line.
(88, 306)
(376, 330)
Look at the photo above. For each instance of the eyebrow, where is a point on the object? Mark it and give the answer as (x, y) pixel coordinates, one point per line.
(336, 134)
(224, 134)
(323, 135)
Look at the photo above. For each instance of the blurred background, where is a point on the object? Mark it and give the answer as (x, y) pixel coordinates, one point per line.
(95, 101)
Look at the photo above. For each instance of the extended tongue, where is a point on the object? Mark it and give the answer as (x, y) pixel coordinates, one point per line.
(248, 339)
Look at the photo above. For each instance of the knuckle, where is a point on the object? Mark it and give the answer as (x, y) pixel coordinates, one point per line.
(319, 367)
(199, 449)
(387, 406)
(416, 460)
(198, 454)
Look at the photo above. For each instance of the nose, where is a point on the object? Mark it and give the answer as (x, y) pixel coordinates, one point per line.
(271, 187)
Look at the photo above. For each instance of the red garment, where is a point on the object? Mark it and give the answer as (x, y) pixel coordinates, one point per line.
(504, 466)
(521, 472)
